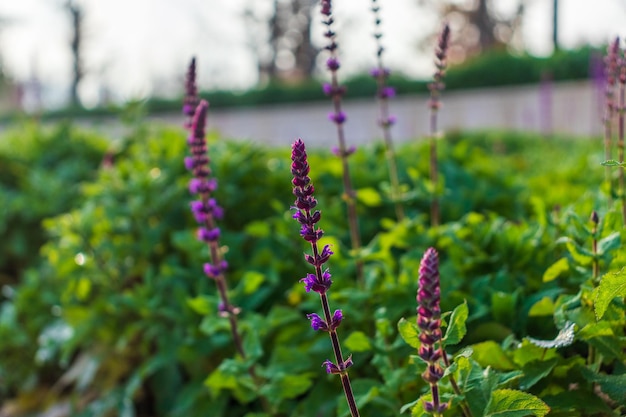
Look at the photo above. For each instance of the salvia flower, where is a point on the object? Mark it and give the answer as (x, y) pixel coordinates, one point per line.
(441, 62)
(320, 281)
(205, 209)
(429, 324)
(385, 120)
(338, 117)
(441, 52)
(191, 90)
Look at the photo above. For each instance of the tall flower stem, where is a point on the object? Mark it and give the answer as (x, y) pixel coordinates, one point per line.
(320, 281)
(434, 103)
(611, 65)
(205, 211)
(338, 117)
(620, 131)
(384, 93)
(595, 219)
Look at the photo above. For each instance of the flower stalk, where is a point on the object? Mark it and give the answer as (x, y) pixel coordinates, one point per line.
(436, 87)
(383, 94)
(620, 131)
(320, 281)
(338, 117)
(612, 69)
(205, 209)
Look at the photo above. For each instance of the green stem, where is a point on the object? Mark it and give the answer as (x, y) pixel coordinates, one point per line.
(334, 339)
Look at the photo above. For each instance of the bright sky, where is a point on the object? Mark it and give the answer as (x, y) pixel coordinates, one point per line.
(137, 47)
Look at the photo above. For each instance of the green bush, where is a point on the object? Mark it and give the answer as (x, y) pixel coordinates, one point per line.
(41, 171)
(119, 319)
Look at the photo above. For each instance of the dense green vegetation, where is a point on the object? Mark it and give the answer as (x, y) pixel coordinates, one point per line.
(105, 310)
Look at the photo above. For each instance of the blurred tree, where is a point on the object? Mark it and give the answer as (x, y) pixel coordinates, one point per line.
(76, 20)
(555, 24)
(286, 52)
(478, 26)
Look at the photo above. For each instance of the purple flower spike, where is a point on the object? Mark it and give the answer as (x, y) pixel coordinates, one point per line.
(319, 281)
(191, 90)
(429, 324)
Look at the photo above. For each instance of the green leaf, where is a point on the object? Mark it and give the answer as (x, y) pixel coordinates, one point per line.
(513, 403)
(456, 327)
(556, 269)
(490, 353)
(408, 331)
(543, 307)
(369, 196)
(252, 280)
(201, 304)
(578, 402)
(611, 285)
(611, 385)
(582, 256)
(287, 386)
(258, 229)
(358, 342)
(609, 243)
(535, 371)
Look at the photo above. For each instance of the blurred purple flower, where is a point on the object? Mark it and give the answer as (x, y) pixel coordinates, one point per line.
(337, 118)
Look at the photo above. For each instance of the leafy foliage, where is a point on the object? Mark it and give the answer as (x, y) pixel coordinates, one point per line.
(110, 306)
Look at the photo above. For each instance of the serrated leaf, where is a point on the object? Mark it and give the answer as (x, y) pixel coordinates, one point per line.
(609, 243)
(456, 327)
(556, 269)
(408, 331)
(513, 403)
(287, 386)
(358, 342)
(611, 385)
(611, 285)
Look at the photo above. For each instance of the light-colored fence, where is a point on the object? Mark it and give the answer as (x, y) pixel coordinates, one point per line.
(570, 108)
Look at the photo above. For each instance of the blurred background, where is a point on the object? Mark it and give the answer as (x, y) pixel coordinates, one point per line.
(88, 53)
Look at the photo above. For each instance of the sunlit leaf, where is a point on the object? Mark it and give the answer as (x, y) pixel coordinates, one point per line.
(611, 285)
(456, 327)
(409, 332)
(556, 270)
(513, 403)
(358, 342)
